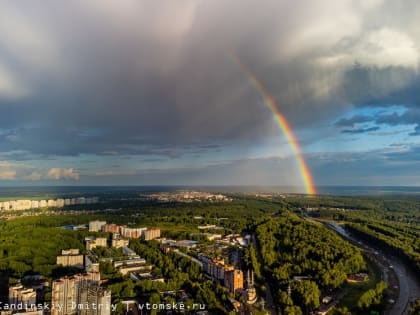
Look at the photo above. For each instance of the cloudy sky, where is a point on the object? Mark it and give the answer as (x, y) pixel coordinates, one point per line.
(140, 92)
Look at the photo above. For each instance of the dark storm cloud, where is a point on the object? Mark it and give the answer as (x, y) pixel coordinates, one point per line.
(350, 122)
(359, 130)
(156, 78)
(390, 119)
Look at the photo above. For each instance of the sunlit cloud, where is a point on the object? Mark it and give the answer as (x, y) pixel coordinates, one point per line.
(63, 173)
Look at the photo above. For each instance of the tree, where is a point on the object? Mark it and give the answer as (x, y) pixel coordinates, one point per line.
(293, 310)
(154, 299)
(307, 293)
(342, 311)
(366, 299)
(415, 310)
(285, 299)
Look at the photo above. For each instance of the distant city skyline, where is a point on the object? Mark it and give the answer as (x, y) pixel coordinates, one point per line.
(146, 93)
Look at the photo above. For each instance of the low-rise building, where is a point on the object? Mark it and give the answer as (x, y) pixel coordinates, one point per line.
(187, 244)
(128, 252)
(211, 236)
(358, 277)
(166, 245)
(141, 268)
(206, 227)
(129, 262)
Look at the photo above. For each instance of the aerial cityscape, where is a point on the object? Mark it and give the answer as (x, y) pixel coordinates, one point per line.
(210, 157)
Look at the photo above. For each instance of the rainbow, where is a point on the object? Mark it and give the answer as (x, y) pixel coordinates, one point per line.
(270, 102)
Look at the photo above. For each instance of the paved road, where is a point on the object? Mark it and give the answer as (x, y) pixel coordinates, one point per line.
(409, 286)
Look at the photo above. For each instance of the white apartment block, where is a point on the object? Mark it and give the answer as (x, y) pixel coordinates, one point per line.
(66, 292)
(151, 234)
(26, 204)
(93, 242)
(96, 226)
(59, 203)
(34, 204)
(132, 232)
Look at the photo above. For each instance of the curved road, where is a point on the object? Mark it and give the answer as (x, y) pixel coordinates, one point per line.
(409, 286)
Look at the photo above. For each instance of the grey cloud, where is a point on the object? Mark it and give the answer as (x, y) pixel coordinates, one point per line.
(416, 131)
(256, 171)
(378, 167)
(390, 119)
(410, 117)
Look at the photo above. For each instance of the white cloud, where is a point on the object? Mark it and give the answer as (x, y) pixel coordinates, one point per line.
(384, 47)
(19, 171)
(63, 173)
(24, 39)
(387, 47)
(8, 170)
(9, 85)
(321, 26)
(7, 174)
